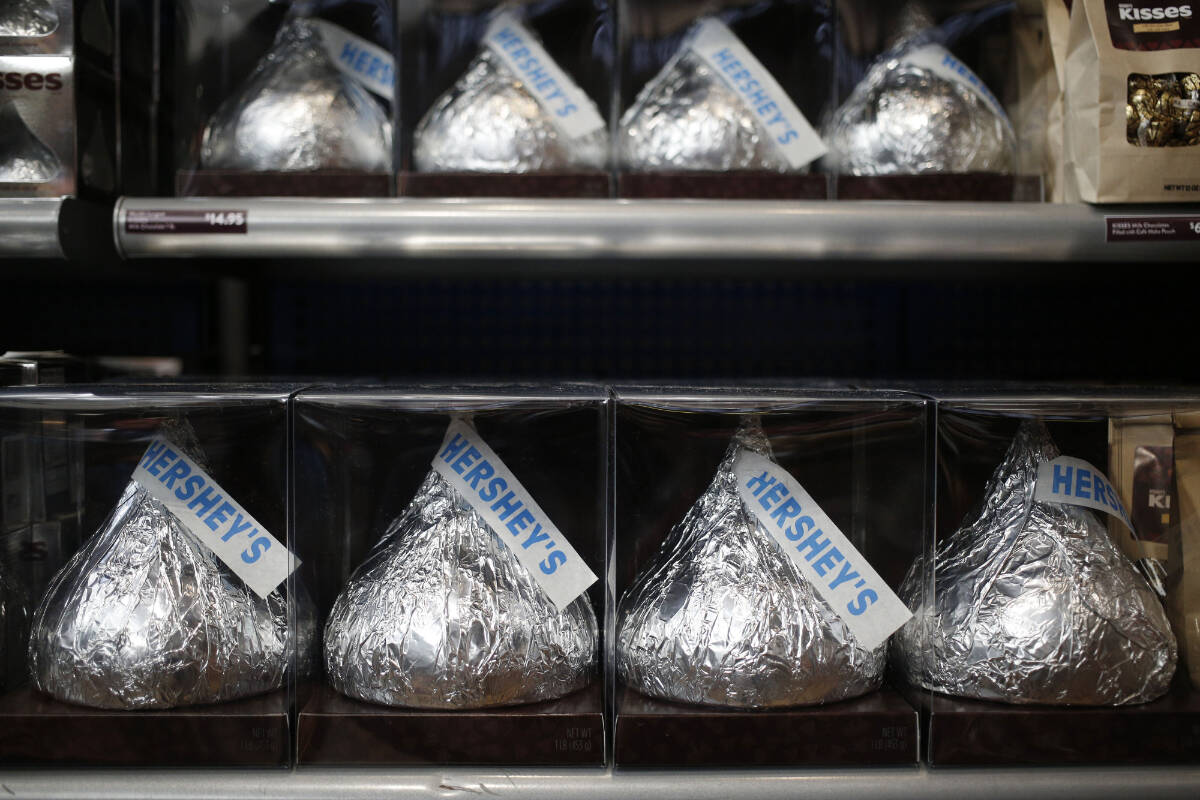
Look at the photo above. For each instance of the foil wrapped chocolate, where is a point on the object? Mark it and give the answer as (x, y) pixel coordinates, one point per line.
(1032, 602)
(724, 617)
(909, 115)
(23, 156)
(687, 118)
(297, 112)
(1163, 110)
(143, 616)
(490, 122)
(441, 614)
(27, 18)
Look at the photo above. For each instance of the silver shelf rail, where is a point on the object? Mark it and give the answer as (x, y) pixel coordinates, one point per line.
(652, 229)
(29, 228)
(534, 784)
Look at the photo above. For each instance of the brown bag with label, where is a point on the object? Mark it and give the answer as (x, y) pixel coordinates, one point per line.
(1183, 546)
(1132, 101)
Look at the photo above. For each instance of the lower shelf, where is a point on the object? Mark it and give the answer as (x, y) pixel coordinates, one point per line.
(585, 784)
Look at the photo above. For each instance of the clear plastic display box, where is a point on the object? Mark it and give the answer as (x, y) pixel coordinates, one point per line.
(1055, 622)
(759, 540)
(144, 568)
(454, 539)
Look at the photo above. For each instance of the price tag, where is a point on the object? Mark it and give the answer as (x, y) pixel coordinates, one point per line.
(187, 221)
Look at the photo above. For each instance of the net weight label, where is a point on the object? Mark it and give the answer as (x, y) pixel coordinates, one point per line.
(199, 221)
(1152, 229)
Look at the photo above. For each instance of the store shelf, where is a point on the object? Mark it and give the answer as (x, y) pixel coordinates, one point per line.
(29, 227)
(312, 228)
(532, 784)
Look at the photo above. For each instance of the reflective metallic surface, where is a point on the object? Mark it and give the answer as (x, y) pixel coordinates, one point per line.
(23, 157)
(724, 617)
(687, 118)
(904, 119)
(144, 616)
(27, 18)
(676, 236)
(489, 122)
(298, 112)
(442, 615)
(1033, 603)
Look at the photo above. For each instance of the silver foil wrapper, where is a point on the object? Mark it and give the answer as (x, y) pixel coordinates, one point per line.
(143, 616)
(442, 615)
(27, 18)
(297, 112)
(724, 617)
(23, 157)
(903, 119)
(1033, 603)
(687, 118)
(489, 122)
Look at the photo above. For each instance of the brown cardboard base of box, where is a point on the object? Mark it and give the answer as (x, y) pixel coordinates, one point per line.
(336, 730)
(217, 183)
(588, 185)
(36, 729)
(742, 185)
(971, 187)
(980, 733)
(878, 728)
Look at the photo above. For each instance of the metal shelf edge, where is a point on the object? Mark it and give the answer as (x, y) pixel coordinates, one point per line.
(536, 784)
(29, 227)
(632, 229)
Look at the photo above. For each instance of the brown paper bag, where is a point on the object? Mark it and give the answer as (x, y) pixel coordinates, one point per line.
(1183, 547)
(1058, 25)
(1114, 48)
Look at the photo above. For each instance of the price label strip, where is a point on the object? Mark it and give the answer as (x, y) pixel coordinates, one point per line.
(493, 491)
(187, 221)
(840, 574)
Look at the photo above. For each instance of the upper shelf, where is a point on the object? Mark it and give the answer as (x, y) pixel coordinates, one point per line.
(859, 230)
(29, 227)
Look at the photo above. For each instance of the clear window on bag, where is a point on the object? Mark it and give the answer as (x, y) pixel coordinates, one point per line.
(1163, 110)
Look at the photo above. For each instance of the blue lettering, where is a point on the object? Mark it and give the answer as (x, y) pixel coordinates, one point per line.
(847, 574)
(189, 487)
(509, 503)
(552, 562)
(828, 561)
(465, 460)
(493, 490)
(483, 470)
(814, 544)
(205, 501)
(153, 451)
(1062, 479)
(1083, 482)
(534, 538)
(773, 495)
(762, 481)
(785, 512)
(219, 515)
(259, 546)
(239, 526)
(453, 447)
(861, 603)
(802, 526)
(790, 136)
(520, 522)
(180, 470)
(164, 459)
